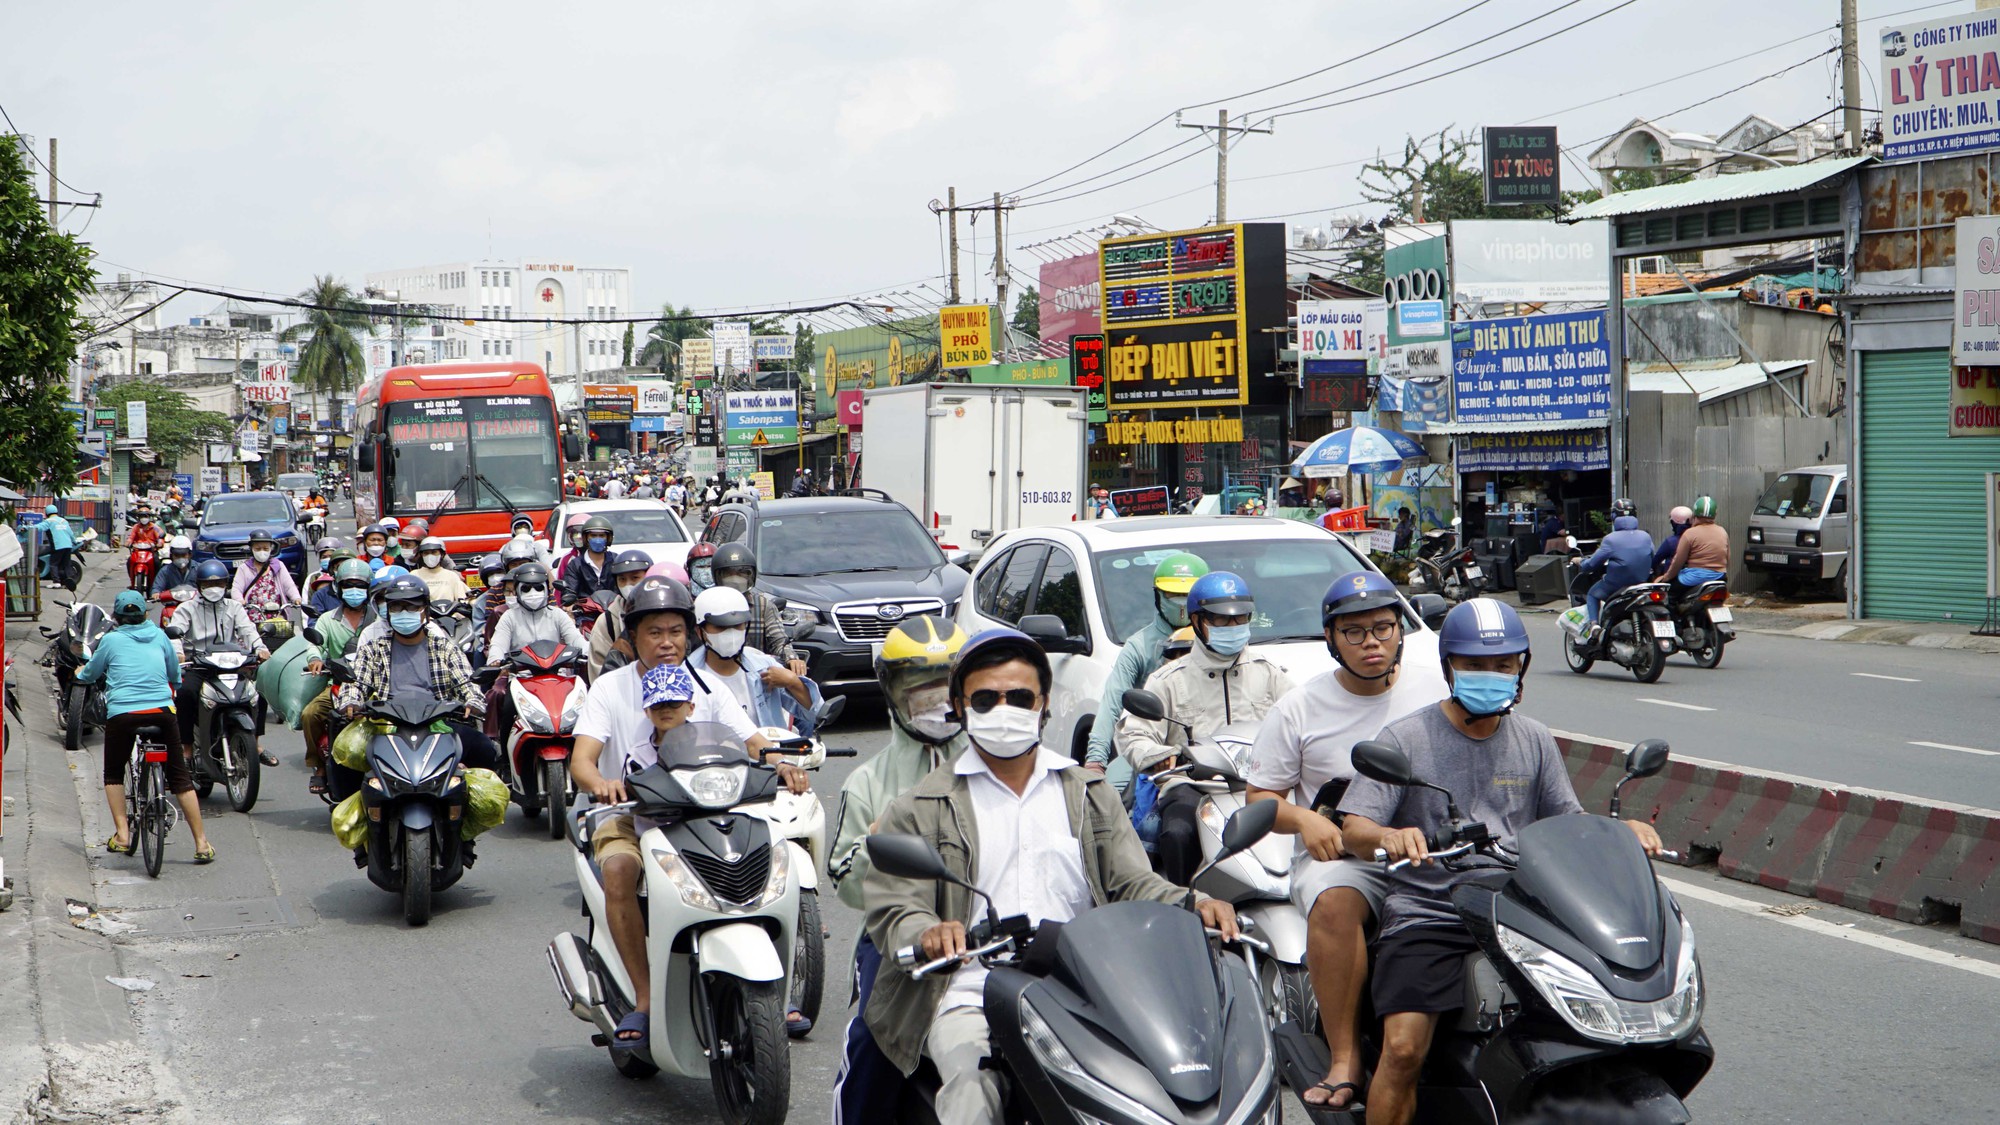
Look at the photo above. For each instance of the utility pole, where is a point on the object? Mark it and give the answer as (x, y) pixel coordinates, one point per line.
(1222, 129)
(1850, 73)
(1000, 264)
(951, 209)
(52, 181)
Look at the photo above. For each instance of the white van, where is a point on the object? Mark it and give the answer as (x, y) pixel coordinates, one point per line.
(1799, 530)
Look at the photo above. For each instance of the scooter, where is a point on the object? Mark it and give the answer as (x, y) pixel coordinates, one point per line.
(720, 892)
(225, 722)
(1701, 618)
(79, 707)
(141, 563)
(72, 573)
(1586, 987)
(1634, 630)
(548, 693)
(1124, 1014)
(414, 796)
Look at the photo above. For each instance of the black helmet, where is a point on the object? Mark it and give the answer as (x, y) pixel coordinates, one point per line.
(530, 574)
(261, 535)
(490, 569)
(734, 556)
(657, 594)
(629, 562)
(406, 588)
(599, 523)
(1623, 507)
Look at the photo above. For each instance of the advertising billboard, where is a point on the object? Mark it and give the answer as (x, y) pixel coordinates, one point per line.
(760, 418)
(1416, 274)
(1086, 362)
(965, 332)
(1033, 373)
(1339, 329)
(885, 355)
(1975, 326)
(1550, 368)
(771, 349)
(1548, 450)
(609, 402)
(1186, 312)
(1530, 260)
(730, 340)
(698, 360)
(1070, 298)
(1936, 81)
(1522, 165)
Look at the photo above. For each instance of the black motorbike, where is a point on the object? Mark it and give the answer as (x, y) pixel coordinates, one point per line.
(1701, 619)
(225, 722)
(415, 797)
(79, 707)
(1634, 629)
(1586, 987)
(1125, 1014)
(1443, 566)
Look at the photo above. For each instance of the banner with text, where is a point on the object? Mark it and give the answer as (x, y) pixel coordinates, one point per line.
(966, 333)
(760, 418)
(1341, 329)
(730, 341)
(1936, 86)
(1549, 450)
(1554, 367)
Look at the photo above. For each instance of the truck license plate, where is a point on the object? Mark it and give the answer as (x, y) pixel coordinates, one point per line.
(1777, 557)
(1664, 630)
(1719, 614)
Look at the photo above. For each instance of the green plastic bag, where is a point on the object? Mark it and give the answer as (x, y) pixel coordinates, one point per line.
(350, 822)
(350, 746)
(485, 803)
(283, 682)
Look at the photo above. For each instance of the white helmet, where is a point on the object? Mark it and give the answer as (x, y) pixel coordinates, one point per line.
(723, 606)
(390, 524)
(180, 543)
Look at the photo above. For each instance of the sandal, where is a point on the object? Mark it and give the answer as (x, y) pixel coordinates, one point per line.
(796, 1024)
(1333, 1090)
(111, 845)
(266, 757)
(316, 784)
(636, 1023)
(205, 855)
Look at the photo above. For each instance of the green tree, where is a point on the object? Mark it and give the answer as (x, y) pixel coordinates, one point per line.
(804, 351)
(43, 275)
(663, 338)
(174, 428)
(626, 361)
(1028, 314)
(332, 362)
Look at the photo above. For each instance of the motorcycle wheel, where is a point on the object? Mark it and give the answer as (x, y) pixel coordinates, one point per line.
(73, 722)
(1294, 994)
(243, 779)
(808, 962)
(1710, 653)
(555, 784)
(1574, 657)
(752, 1079)
(73, 574)
(1650, 661)
(62, 707)
(417, 878)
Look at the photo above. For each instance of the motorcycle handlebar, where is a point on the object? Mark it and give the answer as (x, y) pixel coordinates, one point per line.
(971, 954)
(1447, 853)
(848, 752)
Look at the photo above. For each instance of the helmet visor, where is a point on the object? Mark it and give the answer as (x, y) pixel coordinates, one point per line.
(919, 699)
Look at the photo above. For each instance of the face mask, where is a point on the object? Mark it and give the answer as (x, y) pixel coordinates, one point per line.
(433, 560)
(377, 550)
(736, 581)
(702, 577)
(533, 599)
(625, 589)
(597, 543)
(323, 564)
(261, 555)
(510, 601)
(354, 597)
(406, 621)
(1228, 640)
(1173, 607)
(183, 560)
(929, 715)
(212, 593)
(1005, 732)
(729, 642)
(1484, 693)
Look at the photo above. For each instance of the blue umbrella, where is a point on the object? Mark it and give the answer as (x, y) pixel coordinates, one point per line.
(1357, 449)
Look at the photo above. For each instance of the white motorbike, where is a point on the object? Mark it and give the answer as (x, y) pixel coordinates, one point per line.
(721, 895)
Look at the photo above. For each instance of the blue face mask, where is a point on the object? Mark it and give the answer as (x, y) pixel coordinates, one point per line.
(597, 543)
(406, 621)
(1484, 693)
(1228, 640)
(354, 597)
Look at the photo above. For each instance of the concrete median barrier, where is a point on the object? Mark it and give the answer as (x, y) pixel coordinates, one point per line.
(1926, 862)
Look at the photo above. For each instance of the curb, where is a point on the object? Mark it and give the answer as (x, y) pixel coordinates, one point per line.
(1892, 855)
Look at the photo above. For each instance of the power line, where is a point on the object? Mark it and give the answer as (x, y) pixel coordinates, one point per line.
(37, 157)
(1348, 59)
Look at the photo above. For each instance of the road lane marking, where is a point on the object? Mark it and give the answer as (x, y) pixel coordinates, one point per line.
(1898, 679)
(1824, 928)
(1671, 703)
(1960, 749)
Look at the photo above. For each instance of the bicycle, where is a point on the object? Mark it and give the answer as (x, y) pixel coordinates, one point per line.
(148, 806)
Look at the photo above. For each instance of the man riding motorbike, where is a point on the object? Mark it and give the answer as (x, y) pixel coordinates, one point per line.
(607, 637)
(701, 566)
(336, 627)
(214, 619)
(322, 594)
(531, 618)
(143, 532)
(1140, 657)
(374, 542)
(768, 691)
(584, 575)
(1702, 555)
(434, 567)
(177, 569)
(735, 566)
(1625, 557)
(412, 657)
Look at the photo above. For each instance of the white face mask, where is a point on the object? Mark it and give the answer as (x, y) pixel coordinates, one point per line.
(212, 593)
(376, 549)
(625, 589)
(534, 599)
(261, 555)
(433, 560)
(1005, 732)
(729, 642)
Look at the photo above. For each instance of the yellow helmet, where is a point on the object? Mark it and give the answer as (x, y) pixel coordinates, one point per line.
(914, 668)
(1181, 643)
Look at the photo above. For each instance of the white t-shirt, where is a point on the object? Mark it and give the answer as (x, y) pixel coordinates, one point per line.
(613, 716)
(1306, 741)
(737, 683)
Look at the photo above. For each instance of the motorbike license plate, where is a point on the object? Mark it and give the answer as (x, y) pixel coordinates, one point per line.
(1777, 557)
(1474, 573)
(1664, 630)
(1719, 614)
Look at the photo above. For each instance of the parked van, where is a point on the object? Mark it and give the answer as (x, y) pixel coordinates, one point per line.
(1799, 530)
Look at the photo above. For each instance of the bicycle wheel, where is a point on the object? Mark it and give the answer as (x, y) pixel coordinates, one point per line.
(152, 823)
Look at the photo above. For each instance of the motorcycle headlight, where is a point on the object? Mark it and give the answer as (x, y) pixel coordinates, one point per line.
(533, 715)
(573, 706)
(781, 873)
(226, 659)
(1596, 1014)
(686, 883)
(715, 787)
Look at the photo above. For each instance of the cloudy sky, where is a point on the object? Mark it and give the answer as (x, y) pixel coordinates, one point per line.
(755, 154)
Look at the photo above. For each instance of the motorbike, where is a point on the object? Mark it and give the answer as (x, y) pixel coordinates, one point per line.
(79, 707)
(1442, 566)
(414, 796)
(1586, 987)
(225, 721)
(313, 522)
(1633, 631)
(141, 563)
(1701, 619)
(720, 892)
(72, 574)
(547, 689)
(1123, 1014)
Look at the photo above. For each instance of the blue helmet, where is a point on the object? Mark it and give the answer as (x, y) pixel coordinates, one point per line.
(211, 570)
(1000, 639)
(1220, 592)
(52, 510)
(1358, 592)
(385, 576)
(1482, 627)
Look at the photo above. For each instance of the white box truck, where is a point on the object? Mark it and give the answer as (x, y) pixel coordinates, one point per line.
(975, 460)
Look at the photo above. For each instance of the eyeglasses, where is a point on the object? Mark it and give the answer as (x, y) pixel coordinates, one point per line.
(987, 700)
(1381, 631)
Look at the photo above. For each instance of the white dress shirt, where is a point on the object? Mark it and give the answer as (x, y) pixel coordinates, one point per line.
(1029, 859)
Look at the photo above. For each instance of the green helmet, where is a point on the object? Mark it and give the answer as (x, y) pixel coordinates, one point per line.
(1176, 573)
(1704, 507)
(352, 570)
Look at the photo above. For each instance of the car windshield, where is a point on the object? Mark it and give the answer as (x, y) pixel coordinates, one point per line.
(509, 462)
(810, 543)
(1796, 494)
(247, 509)
(1288, 577)
(641, 525)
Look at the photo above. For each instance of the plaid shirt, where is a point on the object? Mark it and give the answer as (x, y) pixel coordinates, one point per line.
(450, 674)
(767, 632)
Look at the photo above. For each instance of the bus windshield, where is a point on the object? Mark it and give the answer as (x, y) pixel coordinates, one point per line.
(470, 454)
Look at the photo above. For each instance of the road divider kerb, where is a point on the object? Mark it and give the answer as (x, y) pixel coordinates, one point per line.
(1890, 854)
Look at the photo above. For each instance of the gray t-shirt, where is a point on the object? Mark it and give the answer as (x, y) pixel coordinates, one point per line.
(1508, 781)
(410, 667)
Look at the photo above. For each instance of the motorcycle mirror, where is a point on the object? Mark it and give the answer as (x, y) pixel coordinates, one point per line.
(1378, 761)
(1431, 609)
(175, 629)
(829, 710)
(1646, 759)
(1145, 704)
(908, 857)
(1199, 772)
(340, 671)
(312, 636)
(1246, 826)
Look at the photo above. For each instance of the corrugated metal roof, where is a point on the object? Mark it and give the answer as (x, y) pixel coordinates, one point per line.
(1707, 383)
(1716, 189)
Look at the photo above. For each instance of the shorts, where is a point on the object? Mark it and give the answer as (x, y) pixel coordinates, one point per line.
(614, 835)
(1421, 969)
(1312, 878)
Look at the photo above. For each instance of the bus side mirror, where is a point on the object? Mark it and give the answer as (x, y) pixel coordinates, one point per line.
(364, 456)
(572, 447)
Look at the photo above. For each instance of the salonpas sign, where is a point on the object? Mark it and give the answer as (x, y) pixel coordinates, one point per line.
(1496, 260)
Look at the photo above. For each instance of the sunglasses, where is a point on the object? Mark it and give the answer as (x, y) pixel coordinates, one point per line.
(986, 700)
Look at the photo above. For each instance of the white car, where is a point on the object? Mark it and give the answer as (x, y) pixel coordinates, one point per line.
(1096, 577)
(636, 525)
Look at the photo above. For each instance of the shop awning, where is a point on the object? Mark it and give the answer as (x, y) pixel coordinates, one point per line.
(1518, 427)
(1710, 384)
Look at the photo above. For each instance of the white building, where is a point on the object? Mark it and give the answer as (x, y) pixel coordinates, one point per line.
(501, 290)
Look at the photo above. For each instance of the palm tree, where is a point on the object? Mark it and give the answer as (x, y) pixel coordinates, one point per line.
(332, 360)
(663, 338)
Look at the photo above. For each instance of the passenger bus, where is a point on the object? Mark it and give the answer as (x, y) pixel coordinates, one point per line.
(466, 447)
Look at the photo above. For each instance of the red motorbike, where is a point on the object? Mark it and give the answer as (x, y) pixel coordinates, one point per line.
(169, 599)
(141, 564)
(547, 690)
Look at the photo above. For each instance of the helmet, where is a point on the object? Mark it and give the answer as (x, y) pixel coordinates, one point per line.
(1681, 514)
(353, 570)
(390, 525)
(628, 562)
(180, 543)
(51, 510)
(1623, 507)
(211, 570)
(1357, 593)
(431, 542)
(1181, 643)
(381, 529)
(492, 570)
(1482, 627)
(417, 529)
(734, 556)
(384, 576)
(327, 543)
(914, 668)
(530, 574)
(518, 551)
(700, 551)
(129, 608)
(260, 535)
(996, 646)
(657, 595)
(599, 523)
(1177, 572)
(720, 605)
(406, 588)
(668, 570)
(1220, 592)
(1704, 507)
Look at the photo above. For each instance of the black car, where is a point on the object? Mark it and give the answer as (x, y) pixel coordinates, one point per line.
(850, 566)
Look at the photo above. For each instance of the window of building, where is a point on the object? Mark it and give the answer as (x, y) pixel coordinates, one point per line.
(510, 347)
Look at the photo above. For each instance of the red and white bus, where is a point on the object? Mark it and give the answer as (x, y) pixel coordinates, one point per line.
(466, 447)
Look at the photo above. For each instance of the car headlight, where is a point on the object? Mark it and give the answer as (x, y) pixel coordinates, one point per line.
(1595, 1013)
(1756, 535)
(715, 787)
(795, 614)
(689, 885)
(1808, 538)
(1053, 1054)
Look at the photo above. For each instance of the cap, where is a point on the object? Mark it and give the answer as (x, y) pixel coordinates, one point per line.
(665, 683)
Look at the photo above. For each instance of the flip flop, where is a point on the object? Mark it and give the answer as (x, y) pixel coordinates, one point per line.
(1333, 1090)
(111, 845)
(796, 1024)
(316, 784)
(266, 757)
(633, 1021)
(205, 855)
